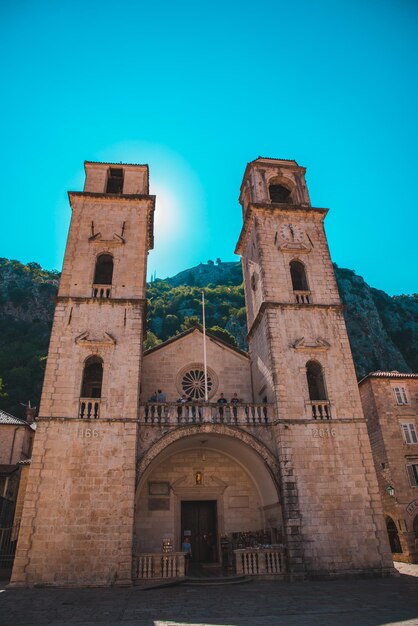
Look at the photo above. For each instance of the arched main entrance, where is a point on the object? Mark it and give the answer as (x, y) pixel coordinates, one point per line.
(210, 486)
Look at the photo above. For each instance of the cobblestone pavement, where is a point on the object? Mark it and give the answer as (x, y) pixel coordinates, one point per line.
(359, 602)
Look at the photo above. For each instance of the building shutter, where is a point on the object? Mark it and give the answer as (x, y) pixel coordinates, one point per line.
(407, 436)
(413, 475)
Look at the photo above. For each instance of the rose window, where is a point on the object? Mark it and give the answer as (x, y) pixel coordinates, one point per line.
(193, 384)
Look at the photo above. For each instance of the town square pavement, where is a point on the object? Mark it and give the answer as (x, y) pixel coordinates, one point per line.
(359, 602)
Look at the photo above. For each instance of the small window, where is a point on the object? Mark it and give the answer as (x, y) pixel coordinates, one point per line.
(103, 273)
(279, 193)
(400, 394)
(254, 282)
(115, 180)
(92, 378)
(409, 433)
(413, 474)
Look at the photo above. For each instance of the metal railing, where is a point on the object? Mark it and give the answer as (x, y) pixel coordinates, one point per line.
(89, 408)
(8, 541)
(179, 413)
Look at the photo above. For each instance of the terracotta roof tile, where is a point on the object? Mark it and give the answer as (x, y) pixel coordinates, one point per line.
(392, 374)
(5, 418)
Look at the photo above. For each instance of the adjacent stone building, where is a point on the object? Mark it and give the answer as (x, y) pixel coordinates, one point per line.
(16, 438)
(135, 451)
(390, 404)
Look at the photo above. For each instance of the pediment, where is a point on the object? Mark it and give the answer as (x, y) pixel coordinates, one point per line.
(116, 240)
(311, 344)
(85, 339)
(294, 246)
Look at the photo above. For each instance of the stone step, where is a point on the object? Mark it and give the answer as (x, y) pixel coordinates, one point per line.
(218, 580)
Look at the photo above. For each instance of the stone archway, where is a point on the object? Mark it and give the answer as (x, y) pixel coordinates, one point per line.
(213, 462)
(209, 429)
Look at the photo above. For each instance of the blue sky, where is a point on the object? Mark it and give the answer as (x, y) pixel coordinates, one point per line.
(198, 89)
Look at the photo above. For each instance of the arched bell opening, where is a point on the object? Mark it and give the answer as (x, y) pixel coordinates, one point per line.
(212, 488)
(279, 193)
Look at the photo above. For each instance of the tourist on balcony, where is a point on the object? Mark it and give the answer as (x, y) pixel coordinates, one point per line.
(182, 400)
(161, 399)
(221, 401)
(234, 401)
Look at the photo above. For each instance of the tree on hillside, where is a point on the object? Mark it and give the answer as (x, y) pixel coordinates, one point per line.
(223, 334)
(151, 341)
(190, 322)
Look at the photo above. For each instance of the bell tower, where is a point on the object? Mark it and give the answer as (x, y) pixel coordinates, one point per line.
(301, 362)
(78, 513)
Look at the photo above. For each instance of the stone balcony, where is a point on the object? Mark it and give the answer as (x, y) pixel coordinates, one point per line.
(89, 408)
(244, 414)
(101, 291)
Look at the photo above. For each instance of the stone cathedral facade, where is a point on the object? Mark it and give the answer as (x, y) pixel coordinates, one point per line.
(121, 472)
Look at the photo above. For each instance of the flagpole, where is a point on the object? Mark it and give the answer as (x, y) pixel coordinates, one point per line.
(205, 367)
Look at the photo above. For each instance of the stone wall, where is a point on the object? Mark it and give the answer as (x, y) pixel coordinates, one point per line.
(108, 216)
(341, 521)
(80, 498)
(68, 350)
(14, 443)
(287, 326)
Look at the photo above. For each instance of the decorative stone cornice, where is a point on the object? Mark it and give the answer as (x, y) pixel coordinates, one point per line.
(101, 301)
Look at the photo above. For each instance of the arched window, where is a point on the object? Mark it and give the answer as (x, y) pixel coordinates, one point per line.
(395, 544)
(279, 193)
(316, 382)
(298, 275)
(92, 378)
(415, 527)
(103, 273)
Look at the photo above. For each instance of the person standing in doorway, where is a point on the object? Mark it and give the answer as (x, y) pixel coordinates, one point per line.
(187, 551)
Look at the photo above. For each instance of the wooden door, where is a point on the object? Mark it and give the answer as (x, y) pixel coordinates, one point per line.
(199, 517)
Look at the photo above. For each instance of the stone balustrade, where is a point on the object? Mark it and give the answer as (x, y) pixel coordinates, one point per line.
(158, 566)
(260, 561)
(101, 291)
(303, 297)
(319, 409)
(179, 413)
(89, 408)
